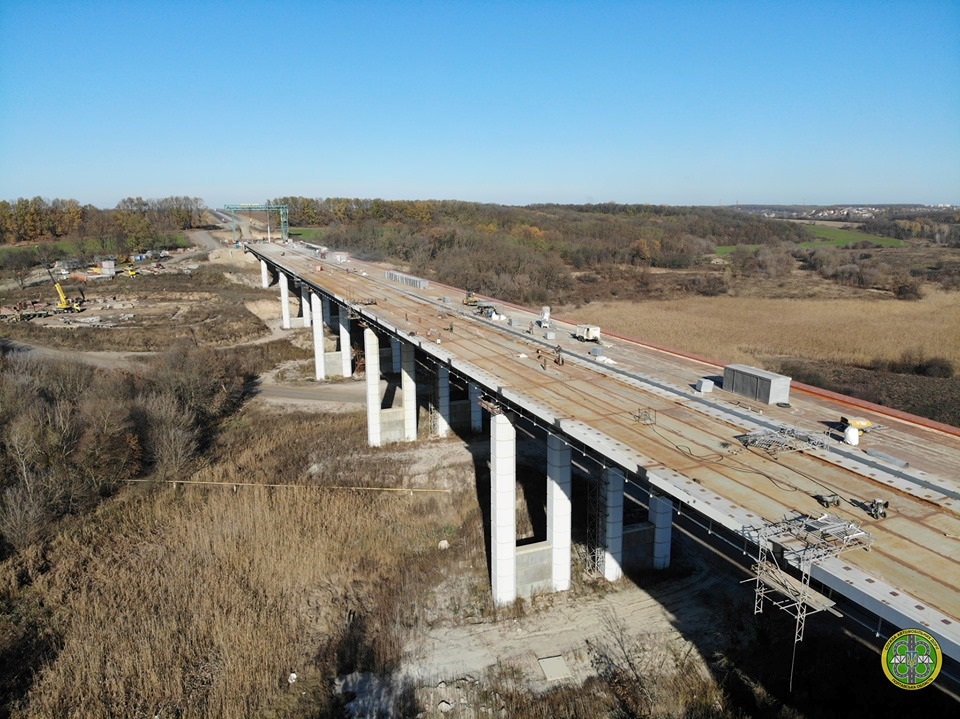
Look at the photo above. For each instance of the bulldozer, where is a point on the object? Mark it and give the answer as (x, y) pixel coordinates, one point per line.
(470, 299)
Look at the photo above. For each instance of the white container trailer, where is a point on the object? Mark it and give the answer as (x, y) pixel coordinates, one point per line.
(756, 384)
(587, 333)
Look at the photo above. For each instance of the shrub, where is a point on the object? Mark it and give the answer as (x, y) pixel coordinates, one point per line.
(908, 290)
(937, 367)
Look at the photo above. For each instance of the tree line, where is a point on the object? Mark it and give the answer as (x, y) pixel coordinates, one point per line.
(38, 220)
(533, 253)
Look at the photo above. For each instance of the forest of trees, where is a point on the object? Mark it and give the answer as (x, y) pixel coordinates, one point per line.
(940, 226)
(537, 253)
(134, 219)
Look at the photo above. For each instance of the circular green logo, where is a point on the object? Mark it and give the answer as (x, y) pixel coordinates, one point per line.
(911, 659)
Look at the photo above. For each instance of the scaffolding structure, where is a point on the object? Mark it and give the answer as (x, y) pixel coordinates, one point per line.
(597, 521)
(801, 542)
(786, 439)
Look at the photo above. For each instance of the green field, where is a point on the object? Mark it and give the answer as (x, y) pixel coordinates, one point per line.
(307, 234)
(839, 237)
(827, 237)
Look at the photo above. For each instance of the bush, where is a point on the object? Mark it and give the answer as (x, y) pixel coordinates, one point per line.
(937, 367)
(908, 290)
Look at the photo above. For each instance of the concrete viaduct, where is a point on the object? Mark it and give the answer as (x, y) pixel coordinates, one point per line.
(608, 421)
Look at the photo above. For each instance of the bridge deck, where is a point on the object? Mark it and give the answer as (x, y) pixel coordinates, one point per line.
(917, 547)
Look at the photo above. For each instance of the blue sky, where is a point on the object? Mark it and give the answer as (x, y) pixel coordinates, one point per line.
(507, 102)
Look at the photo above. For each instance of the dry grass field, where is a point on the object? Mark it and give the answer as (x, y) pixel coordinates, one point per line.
(198, 600)
(757, 330)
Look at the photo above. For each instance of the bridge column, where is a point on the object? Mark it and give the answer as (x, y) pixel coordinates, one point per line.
(264, 274)
(443, 400)
(319, 357)
(559, 511)
(408, 386)
(661, 516)
(395, 354)
(305, 308)
(325, 302)
(476, 411)
(503, 509)
(613, 534)
(371, 349)
(285, 300)
(346, 351)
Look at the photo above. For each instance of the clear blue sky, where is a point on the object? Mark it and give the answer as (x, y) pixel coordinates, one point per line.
(508, 102)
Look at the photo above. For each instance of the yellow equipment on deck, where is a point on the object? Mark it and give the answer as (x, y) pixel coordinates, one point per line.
(861, 424)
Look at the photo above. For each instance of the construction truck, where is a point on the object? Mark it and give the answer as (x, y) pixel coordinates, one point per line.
(470, 299)
(587, 333)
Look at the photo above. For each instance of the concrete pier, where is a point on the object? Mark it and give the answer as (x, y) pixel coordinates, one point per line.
(319, 355)
(613, 534)
(503, 510)
(305, 308)
(264, 274)
(443, 401)
(395, 354)
(661, 516)
(325, 301)
(284, 301)
(371, 349)
(408, 388)
(476, 411)
(346, 351)
(559, 512)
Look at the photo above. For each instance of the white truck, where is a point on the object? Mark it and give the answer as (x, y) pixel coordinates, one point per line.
(587, 333)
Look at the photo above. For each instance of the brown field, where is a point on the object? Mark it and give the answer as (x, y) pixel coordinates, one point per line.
(756, 330)
(199, 601)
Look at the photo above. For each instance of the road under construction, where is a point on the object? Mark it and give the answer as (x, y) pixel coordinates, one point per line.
(874, 522)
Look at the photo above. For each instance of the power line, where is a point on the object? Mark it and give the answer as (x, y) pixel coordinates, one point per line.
(301, 486)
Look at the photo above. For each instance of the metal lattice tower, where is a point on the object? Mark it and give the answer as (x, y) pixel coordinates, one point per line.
(597, 520)
(284, 211)
(801, 542)
(434, 403)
